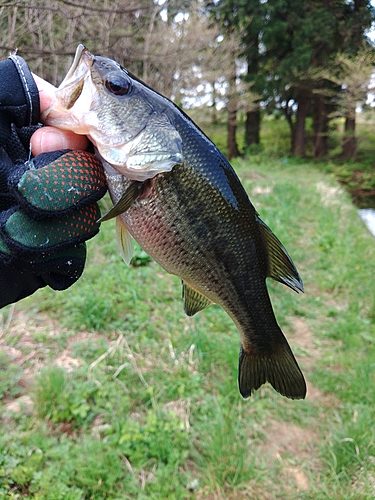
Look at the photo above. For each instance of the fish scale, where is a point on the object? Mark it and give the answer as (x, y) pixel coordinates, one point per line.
(176, 194)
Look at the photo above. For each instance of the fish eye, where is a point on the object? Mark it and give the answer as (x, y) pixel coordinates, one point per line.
(118, 84)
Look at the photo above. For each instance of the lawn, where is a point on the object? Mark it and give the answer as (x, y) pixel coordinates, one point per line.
(108, 391)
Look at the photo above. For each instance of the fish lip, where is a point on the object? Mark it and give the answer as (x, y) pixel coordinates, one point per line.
(80, 51)
(82, 55)
(75, 76)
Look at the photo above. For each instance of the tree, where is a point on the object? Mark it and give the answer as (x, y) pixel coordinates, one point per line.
(278, 53)
(360, 16)
(225, 13)
(300, 42)
(297, 49)
(47, 32)
(246, 18)
(252, 25)
(232, 103)
(353, 76)
(145, 36)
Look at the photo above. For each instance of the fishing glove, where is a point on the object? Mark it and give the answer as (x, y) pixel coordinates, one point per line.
(47, 204)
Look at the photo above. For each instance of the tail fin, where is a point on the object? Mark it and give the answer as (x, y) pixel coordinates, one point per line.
(280, 369)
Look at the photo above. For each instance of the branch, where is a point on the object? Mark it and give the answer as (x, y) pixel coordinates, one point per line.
(91, 8)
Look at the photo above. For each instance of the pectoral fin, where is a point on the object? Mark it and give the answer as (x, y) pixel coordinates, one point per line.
(280, 265)
(193, 300)
(125, 202)
(124, 241)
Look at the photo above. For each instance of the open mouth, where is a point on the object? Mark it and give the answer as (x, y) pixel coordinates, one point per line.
(82, 62)
(77, 59)
(71, 87)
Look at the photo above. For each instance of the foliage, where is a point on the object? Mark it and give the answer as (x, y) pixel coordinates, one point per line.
(10, 375)
(354, 74)
(59, 397)
(290, 47)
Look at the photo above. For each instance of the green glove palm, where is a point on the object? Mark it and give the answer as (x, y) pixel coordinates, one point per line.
(47, 210)
(55, 207)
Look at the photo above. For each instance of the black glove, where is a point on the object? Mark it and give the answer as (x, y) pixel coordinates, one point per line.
(47, 203)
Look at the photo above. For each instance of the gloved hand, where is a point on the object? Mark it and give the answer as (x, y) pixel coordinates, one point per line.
(50, 212)
(47, 204)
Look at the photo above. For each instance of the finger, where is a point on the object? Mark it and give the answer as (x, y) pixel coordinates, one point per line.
(46, 92)
(52, 139)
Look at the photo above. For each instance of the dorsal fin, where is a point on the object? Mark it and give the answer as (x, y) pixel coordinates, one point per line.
(193, 300)
(280, 265)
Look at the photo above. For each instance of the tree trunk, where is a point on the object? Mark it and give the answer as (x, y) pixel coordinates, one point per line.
(299, 142)
(214, 111)
(252, 124)
(233, 150)
(349, 143)
(320, 128)
(252, 127)
(289, 119)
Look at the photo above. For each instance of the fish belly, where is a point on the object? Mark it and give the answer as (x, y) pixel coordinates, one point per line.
(188, 230)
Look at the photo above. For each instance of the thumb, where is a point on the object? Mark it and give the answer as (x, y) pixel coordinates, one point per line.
(48, 139)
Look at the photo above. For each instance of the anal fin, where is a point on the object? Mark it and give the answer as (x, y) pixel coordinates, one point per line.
(193, 301)
(124, 241)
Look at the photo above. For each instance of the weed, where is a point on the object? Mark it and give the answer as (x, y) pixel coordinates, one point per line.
(59, 397)
(10, 375)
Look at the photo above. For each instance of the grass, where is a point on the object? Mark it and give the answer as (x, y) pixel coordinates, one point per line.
(108, 390)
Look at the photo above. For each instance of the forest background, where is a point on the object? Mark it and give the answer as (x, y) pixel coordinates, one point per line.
(300, 60)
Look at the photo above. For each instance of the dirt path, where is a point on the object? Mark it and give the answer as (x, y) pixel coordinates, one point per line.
(290, 448)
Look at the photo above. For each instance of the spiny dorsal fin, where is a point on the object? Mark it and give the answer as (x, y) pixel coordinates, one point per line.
(125, 202)
(280, 265)
(193, 300)
(124, 241)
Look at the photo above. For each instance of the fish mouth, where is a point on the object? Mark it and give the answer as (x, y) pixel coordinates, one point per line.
(81, 55)
(71, 87)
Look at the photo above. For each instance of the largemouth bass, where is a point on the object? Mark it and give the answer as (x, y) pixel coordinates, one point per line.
(176, 194)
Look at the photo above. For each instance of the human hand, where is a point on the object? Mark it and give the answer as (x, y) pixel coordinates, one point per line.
(48, 203)
(50, 138)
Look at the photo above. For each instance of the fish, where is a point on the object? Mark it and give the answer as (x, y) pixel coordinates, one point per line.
(177, 195)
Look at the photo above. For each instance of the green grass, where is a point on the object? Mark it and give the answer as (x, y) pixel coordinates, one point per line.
(108, 390)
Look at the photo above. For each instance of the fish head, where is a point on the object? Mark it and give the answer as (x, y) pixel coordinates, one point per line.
(131, 132)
